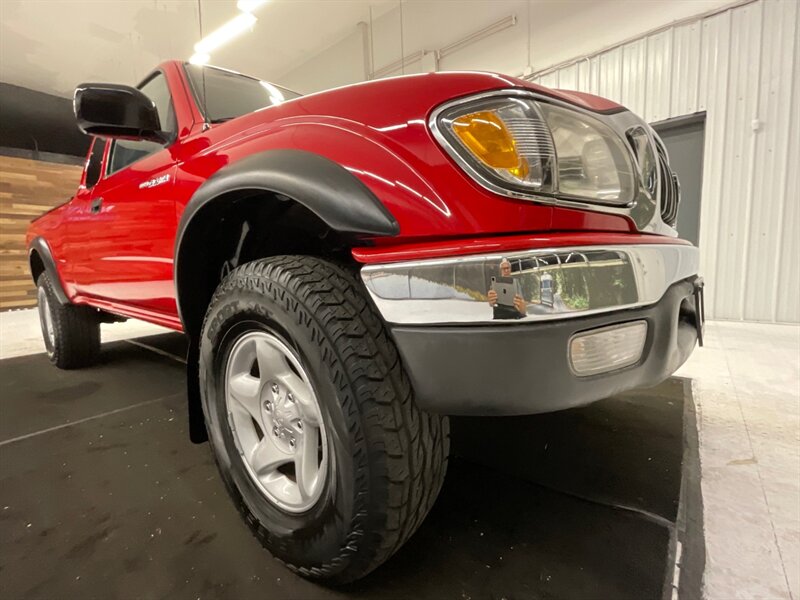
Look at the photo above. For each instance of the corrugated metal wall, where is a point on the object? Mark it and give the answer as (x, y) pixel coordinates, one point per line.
(742, 67)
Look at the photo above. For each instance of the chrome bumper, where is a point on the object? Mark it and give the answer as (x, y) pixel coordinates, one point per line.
(547, 284)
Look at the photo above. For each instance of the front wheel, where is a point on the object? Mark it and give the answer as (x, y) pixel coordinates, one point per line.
(312, 419)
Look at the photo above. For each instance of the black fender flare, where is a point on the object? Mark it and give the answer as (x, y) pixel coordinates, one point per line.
(323, 186)
(42, 248)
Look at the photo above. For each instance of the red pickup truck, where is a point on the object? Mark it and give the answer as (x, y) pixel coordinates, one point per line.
(352, 266)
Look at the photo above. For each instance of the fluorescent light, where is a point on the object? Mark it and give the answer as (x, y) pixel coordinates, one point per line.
(249, 5)
(236, 26)
(199, 59)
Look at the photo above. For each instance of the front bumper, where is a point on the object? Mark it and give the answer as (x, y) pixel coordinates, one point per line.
(465, 357)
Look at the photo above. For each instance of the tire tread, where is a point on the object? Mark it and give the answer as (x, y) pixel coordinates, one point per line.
(401, 449)
(76, 330)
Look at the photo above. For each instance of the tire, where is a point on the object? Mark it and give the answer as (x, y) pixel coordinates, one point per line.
(71, 333)
(386, 459)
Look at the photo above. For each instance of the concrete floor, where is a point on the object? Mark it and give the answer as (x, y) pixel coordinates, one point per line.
(746, 384)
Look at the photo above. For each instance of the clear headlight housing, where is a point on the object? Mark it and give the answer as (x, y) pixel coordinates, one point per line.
(532, 147)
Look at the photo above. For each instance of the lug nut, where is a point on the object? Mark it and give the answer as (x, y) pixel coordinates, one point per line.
(299, 426)
(275, 388)
(275, 431)
(289, 397)
(267, 406)
(291, 443)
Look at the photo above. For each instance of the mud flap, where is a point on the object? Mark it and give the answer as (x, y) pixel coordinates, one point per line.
(197, 425)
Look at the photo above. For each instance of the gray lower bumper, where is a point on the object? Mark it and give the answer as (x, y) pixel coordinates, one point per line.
(524, 368)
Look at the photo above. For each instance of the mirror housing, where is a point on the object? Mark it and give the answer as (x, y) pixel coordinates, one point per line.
(109, 110)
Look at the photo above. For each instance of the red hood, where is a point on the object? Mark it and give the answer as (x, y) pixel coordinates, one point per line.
(384, 102)
(378, 130)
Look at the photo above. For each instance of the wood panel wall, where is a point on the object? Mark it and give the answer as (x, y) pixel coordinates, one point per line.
(28, 188)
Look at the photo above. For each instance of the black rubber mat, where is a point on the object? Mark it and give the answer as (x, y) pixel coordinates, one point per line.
(103, 496)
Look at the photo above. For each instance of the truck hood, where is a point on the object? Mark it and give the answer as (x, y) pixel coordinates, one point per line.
(395, 99)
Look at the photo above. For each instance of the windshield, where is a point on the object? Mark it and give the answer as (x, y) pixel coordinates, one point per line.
(223, 95)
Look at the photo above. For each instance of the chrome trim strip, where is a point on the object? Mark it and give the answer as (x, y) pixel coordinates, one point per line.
(644, 210)
(552, 283)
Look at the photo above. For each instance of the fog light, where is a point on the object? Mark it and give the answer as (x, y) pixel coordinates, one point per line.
(607, 348)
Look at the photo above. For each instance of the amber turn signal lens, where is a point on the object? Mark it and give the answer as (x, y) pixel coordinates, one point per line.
(488, 138)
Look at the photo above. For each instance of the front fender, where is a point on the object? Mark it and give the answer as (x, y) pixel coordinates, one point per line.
(321, 185)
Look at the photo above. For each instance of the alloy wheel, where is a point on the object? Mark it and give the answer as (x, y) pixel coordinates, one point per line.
(274, 416)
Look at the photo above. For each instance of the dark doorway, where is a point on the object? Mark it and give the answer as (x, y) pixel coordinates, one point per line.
(684, 138)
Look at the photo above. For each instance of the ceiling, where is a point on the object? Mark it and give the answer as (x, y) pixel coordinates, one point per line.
(52, 45)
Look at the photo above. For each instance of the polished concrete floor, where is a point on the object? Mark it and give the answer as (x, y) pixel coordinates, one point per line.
(746, 384)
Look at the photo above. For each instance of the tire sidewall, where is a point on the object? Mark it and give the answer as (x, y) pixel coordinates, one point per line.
(52, 349)
(318, 534)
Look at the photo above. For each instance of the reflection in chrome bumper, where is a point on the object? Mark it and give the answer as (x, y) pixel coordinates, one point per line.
(535, 285)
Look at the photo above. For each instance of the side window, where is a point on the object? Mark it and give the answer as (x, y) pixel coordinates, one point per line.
(95, 163)
(125, 152)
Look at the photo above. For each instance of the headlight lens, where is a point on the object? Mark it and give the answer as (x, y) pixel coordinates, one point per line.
(535, 147)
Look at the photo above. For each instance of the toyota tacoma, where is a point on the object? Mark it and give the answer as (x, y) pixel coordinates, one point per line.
(353, 266)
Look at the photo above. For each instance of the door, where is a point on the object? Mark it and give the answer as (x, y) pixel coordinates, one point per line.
(128, 247)
(684, 138)
(77, 221)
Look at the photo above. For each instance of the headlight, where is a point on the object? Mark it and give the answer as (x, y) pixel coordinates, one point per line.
(533, 147)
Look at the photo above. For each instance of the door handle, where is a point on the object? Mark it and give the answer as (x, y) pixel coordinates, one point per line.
(97, 205)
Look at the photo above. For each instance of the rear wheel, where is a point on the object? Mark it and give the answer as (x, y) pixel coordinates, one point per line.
(71, 333)
(312, 419)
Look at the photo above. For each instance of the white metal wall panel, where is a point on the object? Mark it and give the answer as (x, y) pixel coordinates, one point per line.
(685, 68)
(634, 70)
(611, 74)
(588, 71)
(783, 156)
(764, 218)
(738, 161)
(568, 78)
(550, 80)
(742, 68)
(658, 76)
(713, 92)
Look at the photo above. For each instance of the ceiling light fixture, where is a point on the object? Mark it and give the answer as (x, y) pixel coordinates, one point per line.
(236, 26)
(249, 6)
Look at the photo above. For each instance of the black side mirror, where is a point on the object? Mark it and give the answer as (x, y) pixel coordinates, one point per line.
(117, 111)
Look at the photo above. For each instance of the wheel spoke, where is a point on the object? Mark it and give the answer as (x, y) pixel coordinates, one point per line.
(246, 390)
(266, 457)
(271, 361)
(303, 395)
(306, 465)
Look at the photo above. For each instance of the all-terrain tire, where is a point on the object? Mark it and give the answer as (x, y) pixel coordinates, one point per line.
(72, 335)
(388, 458)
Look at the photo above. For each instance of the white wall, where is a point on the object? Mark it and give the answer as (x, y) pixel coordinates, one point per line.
(741, 66)
(557, 31)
